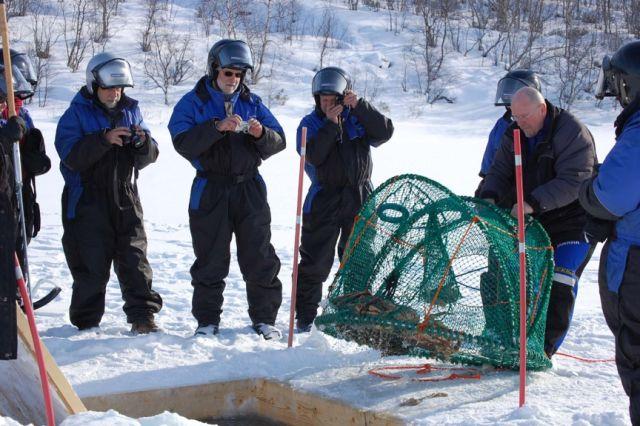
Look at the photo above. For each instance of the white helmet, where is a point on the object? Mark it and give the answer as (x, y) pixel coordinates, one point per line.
(107, 70)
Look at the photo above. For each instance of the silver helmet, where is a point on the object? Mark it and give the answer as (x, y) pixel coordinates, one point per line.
(107, 70)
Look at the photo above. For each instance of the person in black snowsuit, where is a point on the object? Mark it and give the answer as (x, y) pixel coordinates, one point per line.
(341, 131)
(103, 143)
(225, 131)
(612, 200)
(558, 154)
(13, 130)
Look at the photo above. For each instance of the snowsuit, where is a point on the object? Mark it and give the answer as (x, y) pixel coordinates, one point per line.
(228, 196)
(338, 162)
(8, 232)
(493, 144)
(614, 195)
(101, 210)
(555, 163)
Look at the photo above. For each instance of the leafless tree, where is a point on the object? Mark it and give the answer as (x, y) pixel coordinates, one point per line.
(329, 32)
(104, 9)
(75, 20)
(353, 4)
(43, 27)
(169, 62)
(631, 13)
(17, 7)
(257, 33)
(154, 7)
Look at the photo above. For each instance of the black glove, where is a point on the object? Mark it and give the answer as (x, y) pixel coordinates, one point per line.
(15, 129)
(598, 230)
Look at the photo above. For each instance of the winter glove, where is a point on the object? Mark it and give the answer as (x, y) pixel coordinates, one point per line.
(15, 129)
(598, 230)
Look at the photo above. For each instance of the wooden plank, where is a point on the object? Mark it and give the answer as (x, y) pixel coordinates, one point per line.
(20, 388)
(57, 380)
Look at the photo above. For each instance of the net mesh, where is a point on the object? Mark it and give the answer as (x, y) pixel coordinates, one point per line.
(432, 274)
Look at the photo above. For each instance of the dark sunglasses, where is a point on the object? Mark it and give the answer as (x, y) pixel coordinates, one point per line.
(234, 74)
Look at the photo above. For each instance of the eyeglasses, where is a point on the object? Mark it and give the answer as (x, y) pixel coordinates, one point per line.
(520, 117)
(233, 74)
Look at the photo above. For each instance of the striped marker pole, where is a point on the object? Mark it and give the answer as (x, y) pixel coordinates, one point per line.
(296, 243)
(523, 265)
(44, 381)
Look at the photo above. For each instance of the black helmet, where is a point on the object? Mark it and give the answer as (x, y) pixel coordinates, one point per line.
(22, 61)
(330, 81)
(21, 87)
(514, 81)
(228, 53)
(620, 74)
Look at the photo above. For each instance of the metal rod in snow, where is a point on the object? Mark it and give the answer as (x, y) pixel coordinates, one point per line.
(42, 367)
(523, 264)
(296, 243)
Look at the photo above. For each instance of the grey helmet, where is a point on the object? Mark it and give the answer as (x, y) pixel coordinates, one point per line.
(22, 61)
(514, 81)
(620, 74)
(107, 70)
(330, 81)
(21, 87)
(228, 53)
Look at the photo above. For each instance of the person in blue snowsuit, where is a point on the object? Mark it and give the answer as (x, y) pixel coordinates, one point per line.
(507, 86)
(340, 133)
(225, 131)
(103, 143)
(558, 154)
(612, 200)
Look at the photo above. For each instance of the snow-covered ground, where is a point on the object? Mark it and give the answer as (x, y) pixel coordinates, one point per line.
(444, 142)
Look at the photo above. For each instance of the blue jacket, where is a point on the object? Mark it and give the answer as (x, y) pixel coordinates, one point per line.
(617, 188)
(495, 138)
(339, 155)
(213, 153)
(86, 158)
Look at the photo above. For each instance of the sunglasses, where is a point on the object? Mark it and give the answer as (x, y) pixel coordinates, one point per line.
(233, 74)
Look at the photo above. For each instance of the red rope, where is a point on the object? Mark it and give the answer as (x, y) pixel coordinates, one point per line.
(425, 369)
(579, 358)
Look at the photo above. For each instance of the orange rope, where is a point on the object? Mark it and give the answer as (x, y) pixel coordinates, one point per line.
(472, 373)
(423, 324)
(579, 358)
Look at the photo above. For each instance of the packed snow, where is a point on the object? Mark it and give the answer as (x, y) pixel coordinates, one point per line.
(444, 142)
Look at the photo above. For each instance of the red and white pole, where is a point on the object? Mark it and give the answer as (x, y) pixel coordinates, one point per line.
(523, 265)
(296, 243)
(44, 380)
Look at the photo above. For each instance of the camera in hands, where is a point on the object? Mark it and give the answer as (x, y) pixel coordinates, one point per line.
(132, 138)
(243, 127)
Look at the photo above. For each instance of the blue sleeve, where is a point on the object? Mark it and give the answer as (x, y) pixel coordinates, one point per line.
(182, 119)
(68, 133)
(24, 113)
(495, 137)
(618, 183)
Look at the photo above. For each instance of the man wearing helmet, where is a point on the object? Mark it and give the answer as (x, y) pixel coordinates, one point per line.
(341, 131)
(225, 131)
(507, 86)
(558, 154)
(35, 161)
(103, 143)
(612, 200)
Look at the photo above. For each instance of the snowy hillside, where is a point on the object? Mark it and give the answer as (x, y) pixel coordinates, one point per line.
(443, 141)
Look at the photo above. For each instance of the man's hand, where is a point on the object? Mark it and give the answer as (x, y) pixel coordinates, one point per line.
(255, 128)
(15, 128)
(334, 112)
(229, 124)
(350, 99)
(526, 207)
(114, 136)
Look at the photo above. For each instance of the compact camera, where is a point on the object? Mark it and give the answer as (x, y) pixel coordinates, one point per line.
(243, 127)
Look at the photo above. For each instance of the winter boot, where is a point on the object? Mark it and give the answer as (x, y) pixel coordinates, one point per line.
(144, 327)
(303, 327)
(268, 332)
(206, 330)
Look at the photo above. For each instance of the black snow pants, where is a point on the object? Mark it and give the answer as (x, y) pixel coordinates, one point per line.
(330, 220)
(623, 318)
(234, 205)
(8, 332)
(101, 233)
